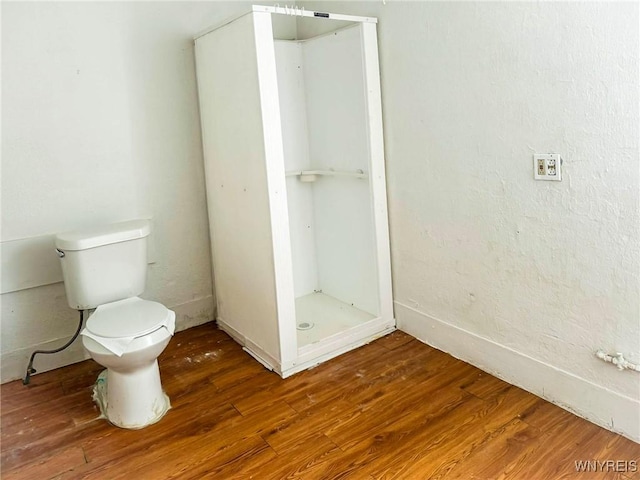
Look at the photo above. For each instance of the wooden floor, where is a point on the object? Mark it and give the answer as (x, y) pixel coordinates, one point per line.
(393, 409)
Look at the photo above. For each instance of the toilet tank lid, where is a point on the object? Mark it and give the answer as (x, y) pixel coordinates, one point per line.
(103, 235)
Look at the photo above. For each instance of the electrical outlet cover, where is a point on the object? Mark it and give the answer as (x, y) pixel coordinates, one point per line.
(547, 166)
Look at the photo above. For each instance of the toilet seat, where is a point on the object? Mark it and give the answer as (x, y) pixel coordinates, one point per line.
(132, 317)
(117, 326)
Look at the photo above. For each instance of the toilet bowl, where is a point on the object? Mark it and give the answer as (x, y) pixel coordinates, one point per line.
(127, 337)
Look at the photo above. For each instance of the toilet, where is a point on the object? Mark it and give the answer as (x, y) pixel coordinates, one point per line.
(105, 268)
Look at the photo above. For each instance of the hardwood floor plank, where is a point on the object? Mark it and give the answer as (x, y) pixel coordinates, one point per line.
(302, 392)
(233, 464)
(551, 418)
(15, 396)
(395, 408)
(395, 445)
(545, 416)
(557, 451)
(477, 429)
(486, 386)
(394, 340)
(453, 435)
(197, 459)
(141, 443)
(375, 412)
(298, 461)
(252, 395)
(515, 440)
(308, 423)
(54, 465)
(43, 446)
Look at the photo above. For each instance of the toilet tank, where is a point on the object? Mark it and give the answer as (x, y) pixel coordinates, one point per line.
(104, 264)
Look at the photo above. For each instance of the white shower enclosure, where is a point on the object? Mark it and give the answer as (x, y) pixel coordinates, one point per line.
(294, 165)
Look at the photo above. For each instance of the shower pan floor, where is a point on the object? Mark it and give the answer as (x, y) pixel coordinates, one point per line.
(320, 316)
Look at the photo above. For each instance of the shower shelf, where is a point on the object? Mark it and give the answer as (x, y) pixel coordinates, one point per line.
(312, 175)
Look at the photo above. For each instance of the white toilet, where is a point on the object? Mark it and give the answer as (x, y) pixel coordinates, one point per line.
(106, 268)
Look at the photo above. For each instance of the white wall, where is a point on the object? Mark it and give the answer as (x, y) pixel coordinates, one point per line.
(525, 279)
(100, 123)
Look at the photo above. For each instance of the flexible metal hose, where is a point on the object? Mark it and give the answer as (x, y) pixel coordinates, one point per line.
(30, 369)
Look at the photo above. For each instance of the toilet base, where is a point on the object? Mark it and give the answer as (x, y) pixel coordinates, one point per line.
(131, 400)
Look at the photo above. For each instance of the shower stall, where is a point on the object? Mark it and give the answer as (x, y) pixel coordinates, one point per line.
(294, 162)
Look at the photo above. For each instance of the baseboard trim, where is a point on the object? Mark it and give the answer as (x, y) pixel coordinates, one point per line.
(13, 365)
(195, 312)
(597, 404)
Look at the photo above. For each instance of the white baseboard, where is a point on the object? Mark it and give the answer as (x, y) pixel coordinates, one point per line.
(13, 365)
(604, 407)
(194, 313)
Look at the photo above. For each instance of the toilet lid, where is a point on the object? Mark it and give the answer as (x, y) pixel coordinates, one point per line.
(132, 317)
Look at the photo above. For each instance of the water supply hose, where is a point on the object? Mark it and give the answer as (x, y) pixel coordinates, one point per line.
(31, 370)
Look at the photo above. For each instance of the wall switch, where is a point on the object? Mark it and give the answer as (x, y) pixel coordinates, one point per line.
(547, 166)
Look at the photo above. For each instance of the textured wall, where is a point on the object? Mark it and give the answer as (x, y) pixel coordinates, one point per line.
(547, 271)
